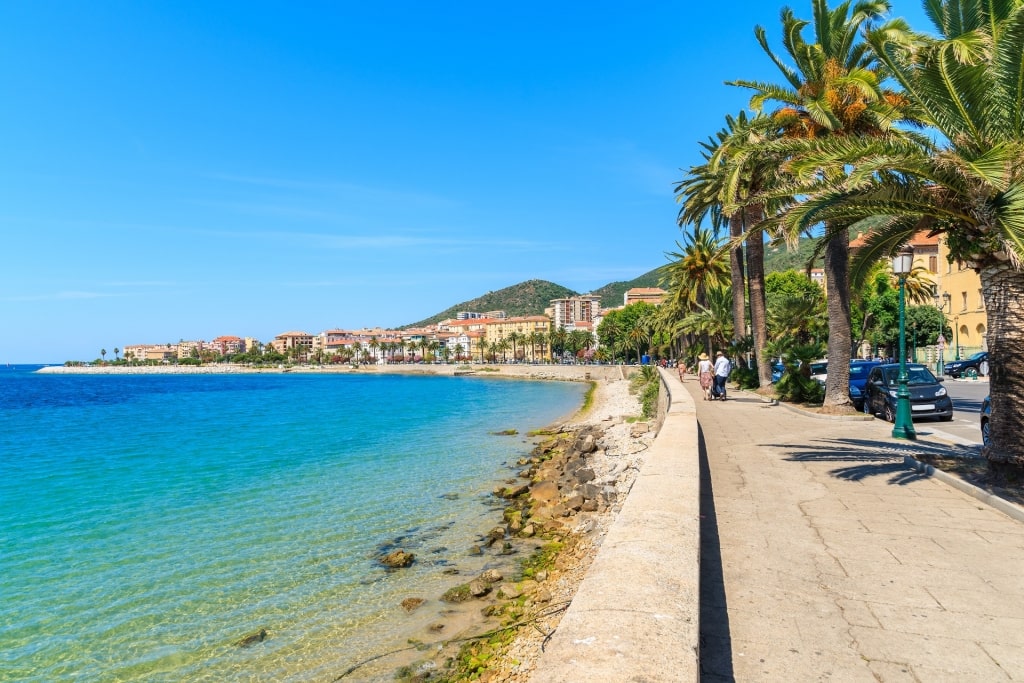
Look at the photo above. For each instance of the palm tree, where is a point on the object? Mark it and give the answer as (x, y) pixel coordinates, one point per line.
(713, 319)
(832, 90)
(556, 339)
(971, 188)
(103, 353)
(637, 336)
(699, 265)
(736, 171)
(374, 345)
(483, 345)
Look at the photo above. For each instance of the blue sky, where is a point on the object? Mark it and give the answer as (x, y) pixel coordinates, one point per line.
(189, 170)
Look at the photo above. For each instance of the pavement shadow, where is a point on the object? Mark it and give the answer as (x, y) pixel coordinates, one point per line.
(715, 638)
(873, 458)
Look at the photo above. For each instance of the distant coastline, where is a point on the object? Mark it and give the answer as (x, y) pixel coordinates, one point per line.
(572, 373)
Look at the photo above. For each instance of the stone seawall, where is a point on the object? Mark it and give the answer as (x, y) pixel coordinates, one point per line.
(636, 614)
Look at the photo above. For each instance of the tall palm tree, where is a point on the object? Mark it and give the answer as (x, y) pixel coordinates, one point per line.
(483, 346)
(374, 345)
(703, 192)
(515, 339)
(736, 171)
(833, 89)
(713, 319)
(968, 82)
(700, 264)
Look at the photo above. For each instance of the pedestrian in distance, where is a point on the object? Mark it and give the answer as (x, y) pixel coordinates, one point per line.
(722, 369)
(706, 373)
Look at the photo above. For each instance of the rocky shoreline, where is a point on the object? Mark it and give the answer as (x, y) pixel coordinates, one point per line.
(554, 514)
(557, 511)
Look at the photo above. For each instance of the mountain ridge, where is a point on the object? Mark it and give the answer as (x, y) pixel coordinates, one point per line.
(531, 297)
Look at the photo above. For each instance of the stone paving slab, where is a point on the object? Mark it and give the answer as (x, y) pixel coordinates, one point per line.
(825, 557)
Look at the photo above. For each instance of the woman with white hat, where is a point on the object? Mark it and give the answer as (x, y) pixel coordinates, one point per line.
(705, 371)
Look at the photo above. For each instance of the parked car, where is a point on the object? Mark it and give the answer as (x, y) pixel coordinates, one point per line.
(777, 370)
(859, 371)
(958, 368)
(986, 413)
(928, 398)
(819, 370)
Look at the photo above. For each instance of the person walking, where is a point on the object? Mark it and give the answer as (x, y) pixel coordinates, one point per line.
(722, 369)
(706, 373)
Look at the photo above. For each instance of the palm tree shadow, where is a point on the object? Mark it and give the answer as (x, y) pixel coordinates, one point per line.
(872, 458)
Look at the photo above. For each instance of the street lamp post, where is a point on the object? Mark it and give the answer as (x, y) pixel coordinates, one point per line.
(941, 340)
(903, 426)
(956, 321)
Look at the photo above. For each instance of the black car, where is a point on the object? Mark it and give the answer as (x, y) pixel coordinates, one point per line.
(928, 398)
(977, 361)
(986, 414)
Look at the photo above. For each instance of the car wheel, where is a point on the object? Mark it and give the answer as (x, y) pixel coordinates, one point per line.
(985, 435)
(889, 414)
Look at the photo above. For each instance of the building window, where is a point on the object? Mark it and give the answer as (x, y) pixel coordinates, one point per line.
(963, 302)
(933, 264)
(981, 301)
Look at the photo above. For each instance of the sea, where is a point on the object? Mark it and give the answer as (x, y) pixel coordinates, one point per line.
(149, 524)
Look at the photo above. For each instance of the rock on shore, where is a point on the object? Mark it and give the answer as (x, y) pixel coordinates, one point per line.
(575, 482)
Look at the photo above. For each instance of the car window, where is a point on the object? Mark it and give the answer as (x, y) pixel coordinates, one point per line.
(858, 370)
(977, 355)
(875, 375)
(819, 368)
(916, 374)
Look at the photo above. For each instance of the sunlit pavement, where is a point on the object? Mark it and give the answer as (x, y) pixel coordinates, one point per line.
(825, 558)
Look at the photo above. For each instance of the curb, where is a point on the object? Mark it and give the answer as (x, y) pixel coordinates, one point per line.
(1009, 509)
(818, 416)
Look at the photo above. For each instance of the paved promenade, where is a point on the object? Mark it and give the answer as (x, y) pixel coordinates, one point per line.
(824, 558)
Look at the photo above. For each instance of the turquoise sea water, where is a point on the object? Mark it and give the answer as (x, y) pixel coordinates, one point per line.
(147, 523)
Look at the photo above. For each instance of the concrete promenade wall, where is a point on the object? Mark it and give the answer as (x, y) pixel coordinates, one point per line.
(636, 614)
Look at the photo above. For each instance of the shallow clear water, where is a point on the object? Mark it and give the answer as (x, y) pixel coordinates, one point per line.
(147, 523)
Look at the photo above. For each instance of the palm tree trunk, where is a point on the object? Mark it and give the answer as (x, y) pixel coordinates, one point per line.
(1003, 290)
(736, 275)
(758, 302)
(837, 282)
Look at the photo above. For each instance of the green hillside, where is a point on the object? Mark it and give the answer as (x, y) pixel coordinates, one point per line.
(526, 298)
(780, 257)
(612, 293)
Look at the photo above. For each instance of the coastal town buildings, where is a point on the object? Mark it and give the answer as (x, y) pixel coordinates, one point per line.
(150, 353)
(521, 333)
(299, 344)
(225, 345)
(652, 295)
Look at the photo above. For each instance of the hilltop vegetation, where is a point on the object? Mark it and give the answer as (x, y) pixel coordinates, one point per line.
(533, 296)
(526, 298)
(612, 293)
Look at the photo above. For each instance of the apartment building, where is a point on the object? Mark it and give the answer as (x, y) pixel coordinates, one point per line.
(225, 345)
(958, 293)
(143, 353)
(652, 295)
(499, 330)
(566, 312)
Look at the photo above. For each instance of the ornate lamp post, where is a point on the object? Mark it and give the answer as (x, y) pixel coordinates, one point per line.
(956, 321)
(903, 427)
(940, 341)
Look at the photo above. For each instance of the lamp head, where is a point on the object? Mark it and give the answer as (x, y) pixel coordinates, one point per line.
(903, 261)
